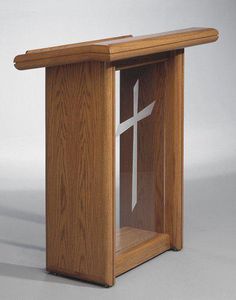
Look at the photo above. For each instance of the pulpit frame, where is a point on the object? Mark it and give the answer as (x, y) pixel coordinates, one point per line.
(80, 151)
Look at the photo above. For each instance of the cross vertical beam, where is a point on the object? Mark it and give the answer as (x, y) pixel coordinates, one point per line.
(133, 122)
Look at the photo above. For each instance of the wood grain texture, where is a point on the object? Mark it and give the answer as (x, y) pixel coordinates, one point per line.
(136, 255)
(148, 213)
(173, 141)
(80, 171)
(116, 49)
(128, 237)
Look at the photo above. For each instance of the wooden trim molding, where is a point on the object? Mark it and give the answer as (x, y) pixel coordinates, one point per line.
(114, 49)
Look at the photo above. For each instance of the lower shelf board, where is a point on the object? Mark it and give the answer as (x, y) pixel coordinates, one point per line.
(134, 246)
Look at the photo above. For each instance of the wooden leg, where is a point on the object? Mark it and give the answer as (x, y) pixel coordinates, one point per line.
(174, 149)
(80, 171)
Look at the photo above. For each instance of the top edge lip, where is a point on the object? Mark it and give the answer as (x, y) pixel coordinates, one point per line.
(74, 45)
(185, 31)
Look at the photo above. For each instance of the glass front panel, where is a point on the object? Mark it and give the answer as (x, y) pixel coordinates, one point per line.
(139, 154)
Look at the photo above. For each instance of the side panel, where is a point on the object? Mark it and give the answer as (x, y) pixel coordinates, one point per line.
(80, 171)
(174, 149)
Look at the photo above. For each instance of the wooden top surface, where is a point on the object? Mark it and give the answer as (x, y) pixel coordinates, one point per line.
(113, 49)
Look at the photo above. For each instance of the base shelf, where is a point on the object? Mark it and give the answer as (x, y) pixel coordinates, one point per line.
(134, 246)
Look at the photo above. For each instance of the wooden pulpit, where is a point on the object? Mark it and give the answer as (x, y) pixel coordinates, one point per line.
(114, 177)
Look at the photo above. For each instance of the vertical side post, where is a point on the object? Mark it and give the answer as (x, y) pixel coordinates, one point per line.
(80, 156)
(173, 143)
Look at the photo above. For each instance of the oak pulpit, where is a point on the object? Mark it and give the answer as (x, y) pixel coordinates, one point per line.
(114, 150)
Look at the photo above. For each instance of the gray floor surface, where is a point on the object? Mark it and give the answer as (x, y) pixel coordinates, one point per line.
(205, 269)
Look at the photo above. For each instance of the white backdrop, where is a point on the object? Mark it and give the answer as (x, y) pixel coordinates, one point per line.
(210, 88)
(210, 122)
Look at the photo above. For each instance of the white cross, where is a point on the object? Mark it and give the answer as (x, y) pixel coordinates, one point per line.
(133, 121)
